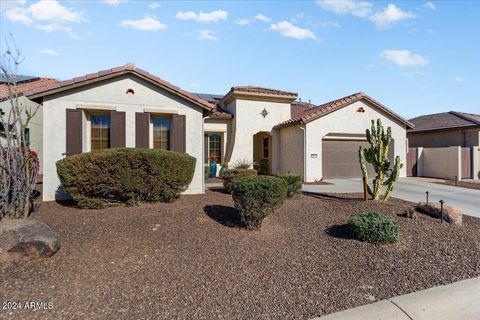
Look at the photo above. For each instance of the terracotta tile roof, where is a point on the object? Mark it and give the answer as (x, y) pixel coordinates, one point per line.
(219, 113)
(297, 108)
(445, 120)
(25, 86)
(261, 90)
(109, 73)
(323, 109)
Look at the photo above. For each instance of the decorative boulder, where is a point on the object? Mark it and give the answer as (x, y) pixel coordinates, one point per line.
(23, 240)
(450, 214)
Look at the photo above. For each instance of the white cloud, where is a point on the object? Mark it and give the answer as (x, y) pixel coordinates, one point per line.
(213, 16)
(328, 24)
(113, 2)
(261, 17)
(431, 31)
(430, 5)
(46, 11)
(403, 58)
(459, 79)
(53, 10)
(258, 17)
(154, 5)
(194, 85)
(148, 23)
(243, 22)
(207, 35)
(49, 52)
(392, 14)
(47, 16)
(17, 14)
(287, 29)
(353, 7)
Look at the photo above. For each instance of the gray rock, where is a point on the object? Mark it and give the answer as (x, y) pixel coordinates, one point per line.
(23, 240)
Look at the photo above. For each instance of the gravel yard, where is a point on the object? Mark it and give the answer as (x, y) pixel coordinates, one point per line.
(189, 259)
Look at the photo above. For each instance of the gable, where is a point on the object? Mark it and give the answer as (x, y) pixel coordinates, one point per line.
(109, 74)
(127, 89)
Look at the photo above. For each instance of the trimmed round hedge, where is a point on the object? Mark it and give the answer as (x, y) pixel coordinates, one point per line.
(125, 175)
(257, 197)
(374, 227)
(232, 174)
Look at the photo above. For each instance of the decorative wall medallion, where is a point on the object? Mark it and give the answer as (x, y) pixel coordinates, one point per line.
(264, 112)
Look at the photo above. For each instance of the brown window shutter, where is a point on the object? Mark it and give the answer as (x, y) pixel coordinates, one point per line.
(142, 129)
(117, 129)
(74, 132)
(178, 133)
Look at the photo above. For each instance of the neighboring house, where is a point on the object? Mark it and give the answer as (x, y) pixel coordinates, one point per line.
(445, 129)
(127, 106)
(34, 132)
(445, 145)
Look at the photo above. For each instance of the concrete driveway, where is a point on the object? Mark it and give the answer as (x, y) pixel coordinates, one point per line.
(411, 189)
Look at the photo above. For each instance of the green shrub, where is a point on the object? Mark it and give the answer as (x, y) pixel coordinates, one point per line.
(374, 227)
(232, 174)
(264, 167)
(257, 197)
(294, 183)
(242, 164)
(100, 178)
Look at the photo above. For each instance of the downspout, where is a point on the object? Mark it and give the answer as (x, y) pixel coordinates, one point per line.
(304, 129)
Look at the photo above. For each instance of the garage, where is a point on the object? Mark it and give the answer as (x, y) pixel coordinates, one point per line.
(340, 158)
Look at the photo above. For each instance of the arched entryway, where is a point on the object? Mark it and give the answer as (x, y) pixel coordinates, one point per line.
(262, 152)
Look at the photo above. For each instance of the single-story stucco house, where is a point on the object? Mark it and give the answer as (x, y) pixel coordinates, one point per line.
(446, 129)
(445, 145)
(34, 132)
(129, 107)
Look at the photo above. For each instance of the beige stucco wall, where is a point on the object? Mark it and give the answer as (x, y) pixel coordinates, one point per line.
(248, 121)
(292, 150)
(347, 121)
(441, 162)
(112, 93)
(35, 125)
(444, 138)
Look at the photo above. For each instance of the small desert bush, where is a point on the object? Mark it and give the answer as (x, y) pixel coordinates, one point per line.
(232, 174)
(257, 197)
(126, 175)
(374, 227)
(293, 181)
(242, 164)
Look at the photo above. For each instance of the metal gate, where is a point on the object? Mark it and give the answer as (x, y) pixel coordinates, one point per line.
(466, 163)
(412, 162)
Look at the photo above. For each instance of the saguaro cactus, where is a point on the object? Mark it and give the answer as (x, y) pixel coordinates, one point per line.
(377, 156)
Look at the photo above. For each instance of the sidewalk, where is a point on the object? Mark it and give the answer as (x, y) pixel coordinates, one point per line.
(460, 300)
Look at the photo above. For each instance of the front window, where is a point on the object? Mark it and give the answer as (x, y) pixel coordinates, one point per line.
(161, 133)
(100, 134)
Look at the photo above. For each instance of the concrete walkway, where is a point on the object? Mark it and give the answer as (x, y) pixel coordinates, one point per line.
(460, 300)
(411, 189)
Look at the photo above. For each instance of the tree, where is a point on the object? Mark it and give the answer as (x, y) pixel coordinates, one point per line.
(19, 165)
(377, 156)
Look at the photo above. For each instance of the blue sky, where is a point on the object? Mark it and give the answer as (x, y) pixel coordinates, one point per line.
(416, 57)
